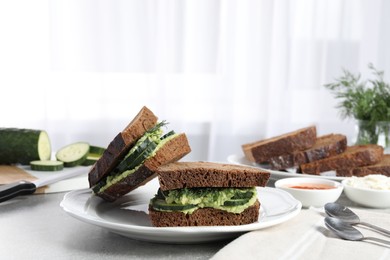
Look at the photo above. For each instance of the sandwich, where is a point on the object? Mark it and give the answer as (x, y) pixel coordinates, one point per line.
(132, 157)
(206, 194)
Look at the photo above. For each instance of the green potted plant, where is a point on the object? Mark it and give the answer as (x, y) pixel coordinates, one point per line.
(367, 101)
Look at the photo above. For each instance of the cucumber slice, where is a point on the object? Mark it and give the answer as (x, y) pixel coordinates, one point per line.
(236, 202)
(160, 204)
(140, 154)
(243, 195)
(73, 154)
(47, 165)
(91, 159)
(22, 146)
(132, 160)
(96, 150)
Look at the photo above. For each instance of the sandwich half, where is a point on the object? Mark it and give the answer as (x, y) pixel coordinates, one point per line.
(206, 194)
(133, 156)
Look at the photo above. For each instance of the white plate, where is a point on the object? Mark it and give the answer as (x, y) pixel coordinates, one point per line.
(128, 216)
(275, 175)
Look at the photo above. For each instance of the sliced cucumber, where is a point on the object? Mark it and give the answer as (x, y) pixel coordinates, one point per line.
(243, 195)
(160, 204)
(96, 150)
(236, 202)
(73, 154)
(47, 165)
(132, 160)
(91, 159)
(22, 146)
(140, 154)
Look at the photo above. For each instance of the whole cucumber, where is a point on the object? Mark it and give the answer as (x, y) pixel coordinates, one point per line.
(19, 145)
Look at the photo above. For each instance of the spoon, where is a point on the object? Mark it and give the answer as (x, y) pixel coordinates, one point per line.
(347, 231)
(341, 212)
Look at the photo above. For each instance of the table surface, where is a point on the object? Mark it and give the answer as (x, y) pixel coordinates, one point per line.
(35, 226)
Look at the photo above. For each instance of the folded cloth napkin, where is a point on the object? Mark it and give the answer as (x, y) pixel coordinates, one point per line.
(306, 237)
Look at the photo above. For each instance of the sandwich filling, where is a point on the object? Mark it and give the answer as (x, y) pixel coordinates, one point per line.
(187, 200)
(145, 148)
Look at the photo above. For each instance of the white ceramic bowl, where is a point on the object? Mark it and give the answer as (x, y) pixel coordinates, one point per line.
(313, 196)
(368, 197)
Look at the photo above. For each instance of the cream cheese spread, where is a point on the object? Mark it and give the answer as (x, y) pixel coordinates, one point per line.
(372, 181)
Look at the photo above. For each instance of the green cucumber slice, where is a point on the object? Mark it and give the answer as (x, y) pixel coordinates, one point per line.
(137, 157)
(91, 159)
(236, 202)
(18, 145)
(140, 154)
(46, 165)
(142, 150)
(160, 204)
(73, 154)
(243, 195)
(95, 152)
(93, 149)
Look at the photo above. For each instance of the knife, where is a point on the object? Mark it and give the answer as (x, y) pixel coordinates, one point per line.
(11, 190)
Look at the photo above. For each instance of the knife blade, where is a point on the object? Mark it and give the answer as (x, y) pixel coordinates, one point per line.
(11, 190)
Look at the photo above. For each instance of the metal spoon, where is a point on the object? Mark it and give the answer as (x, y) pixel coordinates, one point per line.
(348, 232)
(341, 212)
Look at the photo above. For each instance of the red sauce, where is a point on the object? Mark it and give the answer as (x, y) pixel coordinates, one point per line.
(312, 186)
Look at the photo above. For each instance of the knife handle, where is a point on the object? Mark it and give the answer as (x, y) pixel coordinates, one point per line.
(11, 190)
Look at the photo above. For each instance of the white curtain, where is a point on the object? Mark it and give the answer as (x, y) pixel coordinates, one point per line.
(224, 72)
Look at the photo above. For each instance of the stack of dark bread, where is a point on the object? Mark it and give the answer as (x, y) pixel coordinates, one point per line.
(311, 154)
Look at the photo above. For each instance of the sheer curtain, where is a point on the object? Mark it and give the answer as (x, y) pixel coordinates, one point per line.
(224, 72)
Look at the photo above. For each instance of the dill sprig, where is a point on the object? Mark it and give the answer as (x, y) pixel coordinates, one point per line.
(367, 100)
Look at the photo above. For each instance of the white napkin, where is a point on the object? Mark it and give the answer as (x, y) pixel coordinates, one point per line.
(306, 237)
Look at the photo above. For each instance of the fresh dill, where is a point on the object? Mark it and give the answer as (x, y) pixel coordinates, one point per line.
(365, 100)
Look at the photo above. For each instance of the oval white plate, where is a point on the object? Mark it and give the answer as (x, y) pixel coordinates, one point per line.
(276, 175)
(128, 216)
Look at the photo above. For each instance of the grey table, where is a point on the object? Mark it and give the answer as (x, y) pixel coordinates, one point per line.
(35, 227)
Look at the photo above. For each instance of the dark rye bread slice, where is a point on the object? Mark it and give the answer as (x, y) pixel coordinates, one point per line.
(325, 146)
(172, 151)
(354, 156)
(121, 144)
(204, 217)
(381, 167)
(299, 140)
(209, 174)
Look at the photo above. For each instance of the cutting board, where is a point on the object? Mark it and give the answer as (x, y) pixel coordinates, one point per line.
(10, 174)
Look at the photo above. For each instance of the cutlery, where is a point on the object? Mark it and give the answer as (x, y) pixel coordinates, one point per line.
(11, 190)
(347, 231)
(341, 212)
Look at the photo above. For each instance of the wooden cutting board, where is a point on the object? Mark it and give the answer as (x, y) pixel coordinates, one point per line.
(9, 174)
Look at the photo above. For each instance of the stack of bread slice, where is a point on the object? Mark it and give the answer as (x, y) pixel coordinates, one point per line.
(308, 153)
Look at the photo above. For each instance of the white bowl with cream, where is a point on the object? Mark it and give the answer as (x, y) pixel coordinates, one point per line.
(314, 192)
(370, 191)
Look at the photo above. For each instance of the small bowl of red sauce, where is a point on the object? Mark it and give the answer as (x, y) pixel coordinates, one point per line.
(315, 192)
